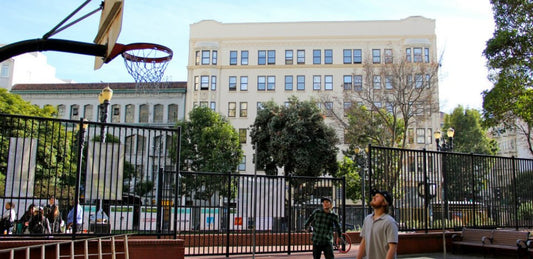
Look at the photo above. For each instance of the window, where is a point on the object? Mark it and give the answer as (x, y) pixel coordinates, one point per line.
(196, 83)
(243, 111)
(376, 56)
(261, 83)
(347, 56)
(205, 57)
(197, 58)
(232, 109)
(408, 56)
(377, 105)
(244, 83)
(428, 80)
(244, 57)
(130, 113)
(143, 113)
(259, 106)
(213, 106)
(172, 113)
(88, 112)
(158, 113)
(301, 56)
(242, 135)
(420, 135)
(417, 55)
(358, 82)
(261, 57)
(115, 115)
(347, 79)
(300, 83)
(271, 83)
(288, 57)
(214, 57)
(317, 83)
(419, 81)
(328, 82)
(377, 82)
(242, 165)
(328, 56)
(388, 82)
(426, 55)
(233, 57)
(357, 56)
(317, 59)
(232, 83)
(213, 83)
(388, 56)
(329, 107)
(271, 57)
(288, 83)
(346, 106)
(429, 136)
(389, 107)
(204, 104)
(4, 72)
(204, 82)
(74, 112)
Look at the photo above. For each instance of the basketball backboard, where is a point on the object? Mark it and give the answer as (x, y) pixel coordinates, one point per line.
(109, 27)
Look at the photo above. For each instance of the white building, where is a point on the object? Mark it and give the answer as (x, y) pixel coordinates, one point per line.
(28, 68)
(234, 67)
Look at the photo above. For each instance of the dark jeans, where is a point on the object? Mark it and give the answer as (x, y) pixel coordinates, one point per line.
(328, 251)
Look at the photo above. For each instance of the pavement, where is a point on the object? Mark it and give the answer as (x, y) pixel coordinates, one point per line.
(351, 254)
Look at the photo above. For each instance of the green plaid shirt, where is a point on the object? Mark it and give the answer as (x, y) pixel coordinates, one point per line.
(323, 224)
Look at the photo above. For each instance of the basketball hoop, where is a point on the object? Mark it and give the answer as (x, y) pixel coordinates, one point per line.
(146, 63)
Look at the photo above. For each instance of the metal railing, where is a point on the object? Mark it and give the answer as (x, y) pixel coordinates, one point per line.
(70, 247)
(460, 190)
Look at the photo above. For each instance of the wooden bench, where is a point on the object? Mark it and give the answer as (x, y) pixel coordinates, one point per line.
(510, 240)
(471, 237)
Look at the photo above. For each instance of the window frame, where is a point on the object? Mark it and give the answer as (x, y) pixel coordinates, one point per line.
(261, 57)
(233, 57)
(300, 56)
(347, 56)
(328, 82)
(347, 82)
(376, 56)
(232, 83)
(232, 109)
(328, 56)
(244, 57)
(271, 57)
(300, 83)
(317, 56)
(261, 81)
(206, 59)
(357, 58)
(287, 83)
(243, 85)
(271, 83)
(317, 82)
(289, 58)
(243, 109)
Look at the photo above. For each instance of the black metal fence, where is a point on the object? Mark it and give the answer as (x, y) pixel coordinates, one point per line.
(461, 190)
(116, 172)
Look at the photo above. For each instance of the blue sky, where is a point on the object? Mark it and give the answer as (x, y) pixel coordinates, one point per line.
(463, 27)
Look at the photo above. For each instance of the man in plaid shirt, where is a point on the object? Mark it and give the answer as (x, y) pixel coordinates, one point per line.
(323, 221)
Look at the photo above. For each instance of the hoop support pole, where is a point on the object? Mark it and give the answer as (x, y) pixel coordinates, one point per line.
(21, 47)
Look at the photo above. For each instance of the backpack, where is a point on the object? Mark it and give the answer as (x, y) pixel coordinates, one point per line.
(37, 227)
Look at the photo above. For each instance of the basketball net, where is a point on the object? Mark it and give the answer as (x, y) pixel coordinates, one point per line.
(146, 63)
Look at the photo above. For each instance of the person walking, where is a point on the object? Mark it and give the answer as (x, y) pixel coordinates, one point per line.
(323, 221)
(379, 236)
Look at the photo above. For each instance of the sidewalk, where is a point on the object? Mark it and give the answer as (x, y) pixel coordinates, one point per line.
(351, 254)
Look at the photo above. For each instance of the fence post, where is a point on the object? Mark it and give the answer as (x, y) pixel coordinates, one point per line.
(289, 209)
(513, 160)
(178, 182)
(473, 188)
(426, 191)
(159, 201)
(81, 144)
(343, 204)
(227, 215)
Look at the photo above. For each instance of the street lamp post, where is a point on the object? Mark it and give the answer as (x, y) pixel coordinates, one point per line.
(444, 146)
(104, 98)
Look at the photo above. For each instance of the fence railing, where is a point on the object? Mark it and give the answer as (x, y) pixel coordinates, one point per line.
(51, 163)
(461, 190)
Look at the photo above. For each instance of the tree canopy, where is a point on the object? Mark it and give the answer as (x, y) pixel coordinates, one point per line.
(470, 135)
(295, 138)
(510, 59)
(209, 143)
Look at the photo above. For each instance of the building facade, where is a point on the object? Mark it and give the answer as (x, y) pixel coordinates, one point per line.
(234, 68)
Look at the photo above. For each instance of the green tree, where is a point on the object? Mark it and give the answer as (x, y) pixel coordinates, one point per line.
(466, 175)
(208, 144)
(509, 51)
(295, 138)
(470, 135)
(352, 173)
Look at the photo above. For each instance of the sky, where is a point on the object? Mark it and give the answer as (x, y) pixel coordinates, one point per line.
(462, 29)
